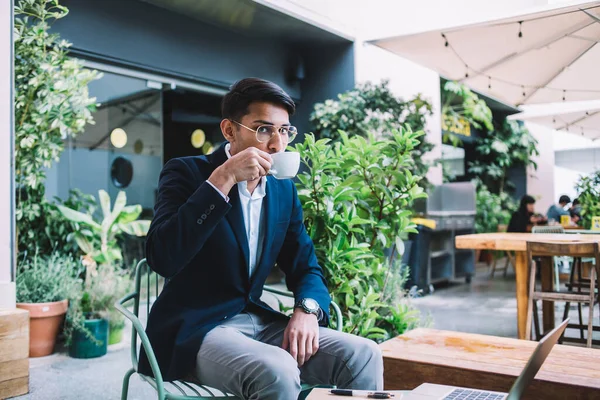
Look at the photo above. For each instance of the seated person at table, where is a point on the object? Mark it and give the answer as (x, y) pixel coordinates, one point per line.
(575, 216)
(555, 211)
(524, 216)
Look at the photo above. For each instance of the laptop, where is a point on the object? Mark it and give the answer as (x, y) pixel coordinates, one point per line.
(429, 391)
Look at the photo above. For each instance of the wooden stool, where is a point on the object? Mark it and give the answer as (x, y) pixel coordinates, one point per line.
(577, 251)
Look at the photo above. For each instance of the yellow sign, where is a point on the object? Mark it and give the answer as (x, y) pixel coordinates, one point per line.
(596, 223)
(456, 125)
(565, 220)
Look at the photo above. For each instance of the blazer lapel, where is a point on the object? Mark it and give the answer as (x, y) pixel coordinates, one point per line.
(234, 216)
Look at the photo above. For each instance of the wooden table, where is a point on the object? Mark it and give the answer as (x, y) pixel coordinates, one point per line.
(517, 242)
(488, 363)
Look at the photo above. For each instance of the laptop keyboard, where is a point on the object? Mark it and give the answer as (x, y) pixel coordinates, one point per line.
(468, 394)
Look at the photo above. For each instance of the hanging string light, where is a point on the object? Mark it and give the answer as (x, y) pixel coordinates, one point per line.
(520, 31)
(507, 82)
(446, 40)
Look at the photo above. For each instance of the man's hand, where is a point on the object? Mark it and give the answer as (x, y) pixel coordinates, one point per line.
(301, 336)
(247, 165)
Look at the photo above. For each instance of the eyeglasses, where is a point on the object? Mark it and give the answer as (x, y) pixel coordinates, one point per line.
(264, 133)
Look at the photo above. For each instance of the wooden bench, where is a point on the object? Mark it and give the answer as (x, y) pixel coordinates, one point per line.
(487, 362)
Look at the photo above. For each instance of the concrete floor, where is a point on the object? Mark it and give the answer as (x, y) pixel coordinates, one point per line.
(486, 306)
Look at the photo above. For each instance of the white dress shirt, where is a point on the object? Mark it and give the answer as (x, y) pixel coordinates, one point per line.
(252, 211)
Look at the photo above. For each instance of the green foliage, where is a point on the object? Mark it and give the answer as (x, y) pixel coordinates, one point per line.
(102, 287)
(51, 104)
(509, 145)
(492, 210)
(374, 109)
(356, 194)
(44, 279)
(588, 188)
(99, 239)
(462, 106)
(56, 229)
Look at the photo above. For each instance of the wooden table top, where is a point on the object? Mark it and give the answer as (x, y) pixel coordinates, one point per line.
(577, 366)
(516, 241)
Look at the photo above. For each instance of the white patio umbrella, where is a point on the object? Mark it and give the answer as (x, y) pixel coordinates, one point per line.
(577, 117)
(547, 55)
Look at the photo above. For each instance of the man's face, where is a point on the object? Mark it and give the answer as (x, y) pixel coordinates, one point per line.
(258, 114)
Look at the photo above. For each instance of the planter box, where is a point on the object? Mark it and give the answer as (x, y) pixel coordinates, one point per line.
(14, 352)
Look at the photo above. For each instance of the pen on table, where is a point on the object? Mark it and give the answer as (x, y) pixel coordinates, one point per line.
(370, 395)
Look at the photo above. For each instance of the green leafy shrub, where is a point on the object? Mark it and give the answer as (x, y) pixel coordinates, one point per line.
(99, 239)
(511, 144)
(375, 109)
(44, 279)
(462, 106)
(51, 104)
(356, 194)
(492, 210)
(588, 188)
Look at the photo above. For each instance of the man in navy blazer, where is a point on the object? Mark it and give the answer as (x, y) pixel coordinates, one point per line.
(221, 223)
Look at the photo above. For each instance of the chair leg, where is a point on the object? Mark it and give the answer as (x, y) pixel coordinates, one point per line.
(532, 269)
(579, 281)
(506, 264)
(125, 390)
(493, 268)
(592, 295)
(536, 321)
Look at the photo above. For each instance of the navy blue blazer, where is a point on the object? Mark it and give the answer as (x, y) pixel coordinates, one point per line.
(198, 241)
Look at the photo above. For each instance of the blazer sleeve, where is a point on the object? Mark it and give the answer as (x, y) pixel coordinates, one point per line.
(304, 276)
(186, 212)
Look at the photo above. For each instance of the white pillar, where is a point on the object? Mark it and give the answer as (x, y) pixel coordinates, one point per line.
(7, 209)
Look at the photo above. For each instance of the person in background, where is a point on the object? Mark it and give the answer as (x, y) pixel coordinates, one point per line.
(555, 211)
(524, 216)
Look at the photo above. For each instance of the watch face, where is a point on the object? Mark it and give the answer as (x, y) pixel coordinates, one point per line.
(311, 304)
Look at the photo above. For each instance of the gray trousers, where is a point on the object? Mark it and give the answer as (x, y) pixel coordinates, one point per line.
(243, 356)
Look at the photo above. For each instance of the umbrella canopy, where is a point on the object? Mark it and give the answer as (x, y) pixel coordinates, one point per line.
(548, 55)
(577, 117)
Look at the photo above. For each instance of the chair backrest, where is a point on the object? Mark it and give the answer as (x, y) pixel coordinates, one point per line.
(146, 281)
(548, 229)
(572, 249)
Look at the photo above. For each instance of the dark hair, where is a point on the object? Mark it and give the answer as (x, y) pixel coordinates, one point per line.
(575, 213)
(527, 199)
(576, 202)
(249, 90)
(564, 199)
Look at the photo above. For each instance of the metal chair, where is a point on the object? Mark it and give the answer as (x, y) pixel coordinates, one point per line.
(180, 389)
(577, 250)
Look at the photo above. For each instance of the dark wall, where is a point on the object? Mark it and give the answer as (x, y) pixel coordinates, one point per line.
(149, 37)
(329, 72)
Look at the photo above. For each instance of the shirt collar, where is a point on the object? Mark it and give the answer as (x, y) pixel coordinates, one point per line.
(261, 189)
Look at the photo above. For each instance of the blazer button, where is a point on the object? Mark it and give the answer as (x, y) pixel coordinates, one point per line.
(212, 207)
(203, 216)
(199, 221)
(207, 211)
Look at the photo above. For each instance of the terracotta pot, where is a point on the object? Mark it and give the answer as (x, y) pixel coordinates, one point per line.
(45, 320)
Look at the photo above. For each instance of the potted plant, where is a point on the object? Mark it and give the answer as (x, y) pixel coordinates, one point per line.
(87, 324)
(44, 285)
(99, 241)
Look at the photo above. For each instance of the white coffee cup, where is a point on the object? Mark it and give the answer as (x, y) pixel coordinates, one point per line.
(285, 165)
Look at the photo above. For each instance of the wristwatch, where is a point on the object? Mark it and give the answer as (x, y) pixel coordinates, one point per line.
(309, 306)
